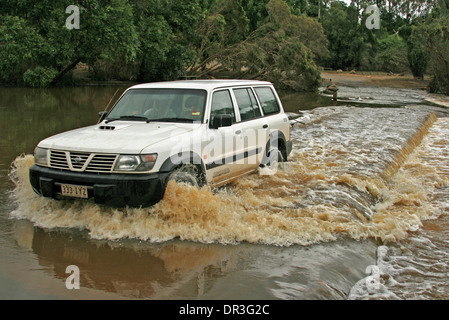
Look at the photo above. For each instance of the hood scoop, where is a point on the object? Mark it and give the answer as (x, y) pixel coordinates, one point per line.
(111, 128)
(107, 128)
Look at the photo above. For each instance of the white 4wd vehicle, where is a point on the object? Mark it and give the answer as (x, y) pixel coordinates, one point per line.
(200, 132)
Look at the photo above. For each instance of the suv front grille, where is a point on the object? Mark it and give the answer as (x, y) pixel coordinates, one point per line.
(101, 163)
(77, 161)
(58, 159)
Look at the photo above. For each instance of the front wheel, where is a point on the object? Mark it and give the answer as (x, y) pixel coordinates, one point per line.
(185, 174)
(272, 160)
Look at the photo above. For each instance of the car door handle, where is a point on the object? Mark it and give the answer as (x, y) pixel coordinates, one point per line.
(265, 126)
(238, 132)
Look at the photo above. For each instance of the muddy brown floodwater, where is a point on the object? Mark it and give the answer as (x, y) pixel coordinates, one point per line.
(358, 212)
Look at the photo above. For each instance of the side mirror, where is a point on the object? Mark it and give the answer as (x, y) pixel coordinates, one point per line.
(221, 120)
(102, 115)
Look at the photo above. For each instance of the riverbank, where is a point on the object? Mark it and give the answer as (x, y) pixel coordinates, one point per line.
(84, 77)
(374, 79)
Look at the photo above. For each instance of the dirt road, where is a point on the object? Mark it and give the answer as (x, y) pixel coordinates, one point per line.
(373, 79)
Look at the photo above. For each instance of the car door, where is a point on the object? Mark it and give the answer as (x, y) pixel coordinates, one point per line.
(222, 147)
(279, 126)
(254, 129)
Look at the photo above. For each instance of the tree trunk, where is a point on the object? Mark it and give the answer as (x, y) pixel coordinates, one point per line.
(64, 71)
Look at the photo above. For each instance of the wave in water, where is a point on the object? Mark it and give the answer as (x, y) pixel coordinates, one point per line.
(417, 267)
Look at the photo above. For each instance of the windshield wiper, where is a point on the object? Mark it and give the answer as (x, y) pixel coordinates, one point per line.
(129, 117)
(173, 120)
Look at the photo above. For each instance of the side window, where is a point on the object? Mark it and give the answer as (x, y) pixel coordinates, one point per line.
(247, 104)
(222, 104)
(268, 100)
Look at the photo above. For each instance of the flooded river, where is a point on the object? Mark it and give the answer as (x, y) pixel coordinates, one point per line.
(359, 212)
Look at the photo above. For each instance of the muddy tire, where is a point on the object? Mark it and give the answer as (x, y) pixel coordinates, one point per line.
(272, 159)
(185, 174)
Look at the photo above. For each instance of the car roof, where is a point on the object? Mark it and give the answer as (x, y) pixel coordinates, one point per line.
(199, 84)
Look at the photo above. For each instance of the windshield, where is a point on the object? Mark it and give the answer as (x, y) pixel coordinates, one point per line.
(165, 105)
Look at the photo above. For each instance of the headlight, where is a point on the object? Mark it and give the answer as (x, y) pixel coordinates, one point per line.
(40, 156)
(136, 162)
(148, 161)
(127, 163)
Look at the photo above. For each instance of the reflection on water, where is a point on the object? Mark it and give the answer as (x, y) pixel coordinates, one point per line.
(30, 115)
(294, 102)
(183, 270)
(155, 271)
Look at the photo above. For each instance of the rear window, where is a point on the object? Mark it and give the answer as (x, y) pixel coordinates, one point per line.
(247, 104)
(268, 100)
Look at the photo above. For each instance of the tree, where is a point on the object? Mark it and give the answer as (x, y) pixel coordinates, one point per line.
(428, 44)
(278, 52)
(274, 51)
(392, 54)
(106, 31)
(225, 25)
(345, 35)
(256, 12)
(417, 53)
(436, 31)
(21, 47)
(167, 36)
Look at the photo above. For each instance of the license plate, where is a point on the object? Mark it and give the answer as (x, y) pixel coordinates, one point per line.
(68, 190)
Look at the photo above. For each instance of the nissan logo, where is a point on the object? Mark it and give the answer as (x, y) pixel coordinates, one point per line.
(77, 159)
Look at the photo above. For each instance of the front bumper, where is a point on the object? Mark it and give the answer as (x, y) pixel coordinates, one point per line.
(117, 190)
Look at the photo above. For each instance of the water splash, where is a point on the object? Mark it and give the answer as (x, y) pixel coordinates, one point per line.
(332, 187)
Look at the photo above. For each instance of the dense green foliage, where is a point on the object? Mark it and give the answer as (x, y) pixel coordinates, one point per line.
(287, 42)
(283, 49)
(36, 31)
(392, 54)
(437, 43)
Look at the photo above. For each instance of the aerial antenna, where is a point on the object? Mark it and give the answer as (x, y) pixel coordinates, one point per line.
(108, 104)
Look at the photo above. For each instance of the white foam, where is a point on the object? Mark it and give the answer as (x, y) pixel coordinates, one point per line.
(417, 267)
